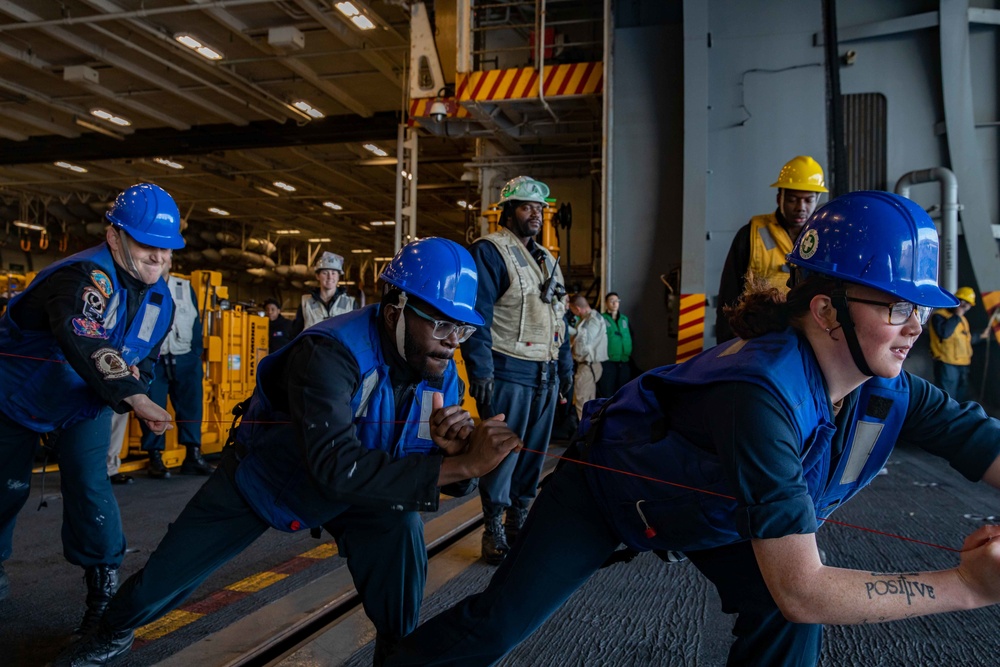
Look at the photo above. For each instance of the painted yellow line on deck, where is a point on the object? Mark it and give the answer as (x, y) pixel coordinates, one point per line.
(256, 582)
(164, 626)
(327, 550)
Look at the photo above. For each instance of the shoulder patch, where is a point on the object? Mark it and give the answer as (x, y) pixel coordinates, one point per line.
(94, 302)
(102, 282)
(110, 364)
(89, 328)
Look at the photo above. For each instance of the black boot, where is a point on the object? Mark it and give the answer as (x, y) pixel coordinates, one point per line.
(514, 522)
(96, 649)
(194, 464)
(4, 583)
(102, 582)
(494, 540)
(157, 469)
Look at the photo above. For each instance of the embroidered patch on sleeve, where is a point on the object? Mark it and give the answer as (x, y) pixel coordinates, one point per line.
(88, 328)
(110, 364)
(102, 282)
(93, 304)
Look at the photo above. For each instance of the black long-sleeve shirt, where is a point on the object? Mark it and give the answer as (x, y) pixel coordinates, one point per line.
(61, 298)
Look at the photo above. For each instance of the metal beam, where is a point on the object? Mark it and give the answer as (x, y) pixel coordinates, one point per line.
(881, 28)
(202, 139)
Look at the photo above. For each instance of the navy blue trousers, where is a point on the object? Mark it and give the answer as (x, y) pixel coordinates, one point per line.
(529, 413)
(92, 525)
(384, 549)
(178, 376)
(952, 379)
(564, 541)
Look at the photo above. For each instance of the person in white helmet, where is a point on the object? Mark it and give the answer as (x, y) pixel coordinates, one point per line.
(760, 246)
(329, 299)
(512, 360)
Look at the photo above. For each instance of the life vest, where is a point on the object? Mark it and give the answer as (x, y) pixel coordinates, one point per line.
(178, 340)
(273, 475)
(39, 388)
(314, 311)
(524, 326)
(631, 435)
(619, 338)
(769, 243)
(956, 349)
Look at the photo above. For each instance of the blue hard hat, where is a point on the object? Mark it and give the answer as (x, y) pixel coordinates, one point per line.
(149, 215)
(439, 272)
(878, 239)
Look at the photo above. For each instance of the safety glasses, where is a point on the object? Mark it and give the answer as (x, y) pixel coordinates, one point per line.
(900, 311)
(443, 329)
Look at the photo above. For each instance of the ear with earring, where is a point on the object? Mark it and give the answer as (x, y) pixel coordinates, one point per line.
(830, 330)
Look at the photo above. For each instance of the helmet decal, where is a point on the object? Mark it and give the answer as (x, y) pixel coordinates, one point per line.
(810, 244)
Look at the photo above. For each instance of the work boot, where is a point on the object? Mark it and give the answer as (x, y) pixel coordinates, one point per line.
(121, 478)
(514, 523)
(96, 649)
(194, 464)
(4, 583)
(102, 582)
(494, 540)
(157, 469)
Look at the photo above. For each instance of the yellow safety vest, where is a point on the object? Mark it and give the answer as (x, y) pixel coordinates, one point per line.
(956, 349)
(769, 243)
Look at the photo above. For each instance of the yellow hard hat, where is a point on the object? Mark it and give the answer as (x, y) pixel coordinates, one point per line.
(801, 173)
(966, 294)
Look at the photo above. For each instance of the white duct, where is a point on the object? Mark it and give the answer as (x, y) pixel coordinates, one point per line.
(300, 271)
(246, 258)
(949, 216)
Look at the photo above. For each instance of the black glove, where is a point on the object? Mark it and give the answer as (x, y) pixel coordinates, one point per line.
(481, 389)
(566, 386)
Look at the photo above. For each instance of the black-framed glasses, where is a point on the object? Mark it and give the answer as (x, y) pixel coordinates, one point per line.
(444, 329)
(899, 311)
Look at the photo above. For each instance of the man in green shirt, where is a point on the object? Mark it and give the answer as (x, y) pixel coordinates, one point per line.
(617, 369)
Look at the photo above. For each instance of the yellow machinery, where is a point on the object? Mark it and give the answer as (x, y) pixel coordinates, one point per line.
(235, 341)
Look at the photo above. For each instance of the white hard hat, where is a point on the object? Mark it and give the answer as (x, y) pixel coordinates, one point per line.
(329, 260)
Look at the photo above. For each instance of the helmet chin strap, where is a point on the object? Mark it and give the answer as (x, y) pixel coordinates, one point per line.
(130, 266)
(839, 300)
(401, 326)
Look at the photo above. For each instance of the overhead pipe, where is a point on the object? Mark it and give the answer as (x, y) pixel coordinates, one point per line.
(540, 57)
(949, 215)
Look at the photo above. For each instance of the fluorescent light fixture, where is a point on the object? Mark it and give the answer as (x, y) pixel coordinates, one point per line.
(287, 231)
(198, 46)
(168, 163)
(72, 167)
(309, 109)
(28, 225)
(115, 119)
(217, 211)
(405, 174)
(260, 188)
(462, 203)
(364, 227)
(363, 22)
(361, 251)
(281, 185)
(335, 207)
(382, 223)
(347, 9)
(322, 240)
(376, 150)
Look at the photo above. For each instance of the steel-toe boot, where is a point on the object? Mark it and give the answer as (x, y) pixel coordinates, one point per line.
(494, 540)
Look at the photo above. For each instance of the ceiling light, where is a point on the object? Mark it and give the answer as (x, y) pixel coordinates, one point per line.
(361, 251)
(287, 231)
(71, 167)
(260, 188)
(382, 223)
(462, 203)
(375, 149)
(363, 22)
(28, 225)
(168, 163)
(281, 185)
(364, 227)
(335, 207)
(104, 114)
(347, 9)
(322, 240)
(100, 129)
(217, 211)
(198, 46)
(383, 259)
(309, 109)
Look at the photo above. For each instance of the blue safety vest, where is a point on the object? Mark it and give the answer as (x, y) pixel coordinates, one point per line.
(631, 434)
(272, 474)
(39, 388)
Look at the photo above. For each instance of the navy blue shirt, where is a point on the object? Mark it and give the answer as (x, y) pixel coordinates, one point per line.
(480, 358)
(758, 447)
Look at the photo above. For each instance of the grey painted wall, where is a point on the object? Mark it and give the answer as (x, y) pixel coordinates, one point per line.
(646, 180)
